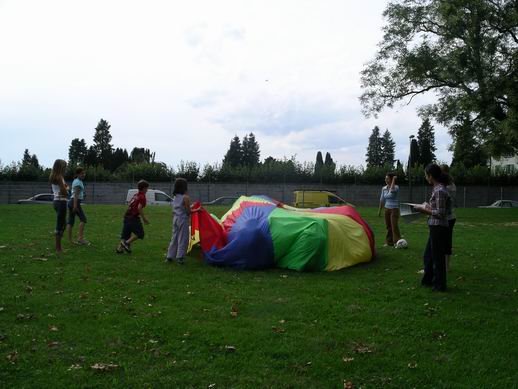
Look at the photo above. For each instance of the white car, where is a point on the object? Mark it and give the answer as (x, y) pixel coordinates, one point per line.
(42, 198)
(502, 204)
(153, 197)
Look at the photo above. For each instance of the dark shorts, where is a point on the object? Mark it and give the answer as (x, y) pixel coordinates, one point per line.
(449, 239)
(61, 216)
(79, 212)
(131, 225)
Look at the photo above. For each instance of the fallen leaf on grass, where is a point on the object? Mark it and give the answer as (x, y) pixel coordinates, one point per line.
(284, 276)
(104, 367)
(53, 328)
(1, 309)
(348, 385)
(347, 359)
(53, 344)
(21, 316)
(211, 386)
(12, 356)
(3, 247)
(278, 330)
(230, 349)
(412, 365)
(234, 311)
(362, 349)
(28, 289)
(75, 366)
(420, 271)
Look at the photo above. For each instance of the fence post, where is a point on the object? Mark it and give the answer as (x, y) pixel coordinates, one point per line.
(464, 196)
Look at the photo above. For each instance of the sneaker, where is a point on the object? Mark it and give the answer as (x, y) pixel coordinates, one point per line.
(125, 246)
(119, 250)
(83, 242)
(180, 261)
(168, 260)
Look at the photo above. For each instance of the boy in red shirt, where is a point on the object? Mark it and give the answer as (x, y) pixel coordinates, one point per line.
(132, 228)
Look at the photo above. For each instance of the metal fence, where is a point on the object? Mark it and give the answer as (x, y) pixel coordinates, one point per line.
(361, 195)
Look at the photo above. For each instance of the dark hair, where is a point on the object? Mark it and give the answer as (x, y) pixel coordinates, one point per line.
(142, 184)
(446, 170)
(180, 186)
(390, 174)
(434, 171)
(79, 170)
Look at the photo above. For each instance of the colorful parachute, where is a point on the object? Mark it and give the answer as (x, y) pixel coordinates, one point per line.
(259, 233)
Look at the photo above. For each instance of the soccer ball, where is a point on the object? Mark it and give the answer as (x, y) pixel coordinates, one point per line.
(401, 244)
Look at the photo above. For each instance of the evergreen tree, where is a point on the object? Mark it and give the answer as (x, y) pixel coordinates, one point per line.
(251, 151)
(141, 155)
(387, 149)
(426, 143)
(319, 164)
(374, 149)
(234, 155)
(467, 150)
(77, 152)
(413, 158)
(91, 157)
(119, 158)
(102, 146)
(29, 160)
(26, 160)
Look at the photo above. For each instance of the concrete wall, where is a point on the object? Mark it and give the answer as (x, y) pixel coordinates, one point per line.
(361, 195)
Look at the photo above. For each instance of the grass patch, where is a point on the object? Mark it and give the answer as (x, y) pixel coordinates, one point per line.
(144, 323)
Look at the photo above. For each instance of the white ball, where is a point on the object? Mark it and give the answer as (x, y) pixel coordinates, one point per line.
(401, 244)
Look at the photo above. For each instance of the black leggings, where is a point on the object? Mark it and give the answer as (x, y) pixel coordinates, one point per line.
(61, 216)
(434, 258)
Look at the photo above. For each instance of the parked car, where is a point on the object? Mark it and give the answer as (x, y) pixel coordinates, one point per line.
(502, 204)
(225, 200)
(42, 198)
(153, 197)
(316, 198)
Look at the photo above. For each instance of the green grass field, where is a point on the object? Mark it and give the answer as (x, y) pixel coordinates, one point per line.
(144, 323)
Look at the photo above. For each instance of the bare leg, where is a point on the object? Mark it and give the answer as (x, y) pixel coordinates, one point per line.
(69, 232)
(81, 234)
(132, 239)
(58, 244)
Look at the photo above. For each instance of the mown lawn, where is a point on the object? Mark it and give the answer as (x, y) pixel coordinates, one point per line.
(163, 325)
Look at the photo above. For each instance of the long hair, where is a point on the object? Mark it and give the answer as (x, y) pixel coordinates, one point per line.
(180, 186)
(58, 171)
(434, 171)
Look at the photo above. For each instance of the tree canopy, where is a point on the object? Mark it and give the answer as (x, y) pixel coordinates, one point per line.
(464, 51)
(426, 143)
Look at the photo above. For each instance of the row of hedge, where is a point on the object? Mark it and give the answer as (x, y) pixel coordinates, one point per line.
(282, 171)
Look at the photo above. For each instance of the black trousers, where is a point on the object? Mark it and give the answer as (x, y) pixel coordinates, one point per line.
(434, 258)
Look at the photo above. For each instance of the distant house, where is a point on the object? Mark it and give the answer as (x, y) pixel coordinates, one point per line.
(508, 164)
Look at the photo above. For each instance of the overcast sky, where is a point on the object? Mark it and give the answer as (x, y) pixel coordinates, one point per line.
(183, 77)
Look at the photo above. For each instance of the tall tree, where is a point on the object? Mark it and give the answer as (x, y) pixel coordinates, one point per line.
(463, 51)
(77, 152)
(141, 155)
(388, 147)
(413, 158)
(102, 142)
(234, 155)
(426, 143)
(29, 160)
(319, 163)
(374, 149)
(119, 158)
(466, 148)
(251, 151)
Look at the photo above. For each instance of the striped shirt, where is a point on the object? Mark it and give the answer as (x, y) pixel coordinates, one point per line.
(440, 204)
(390, 197)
